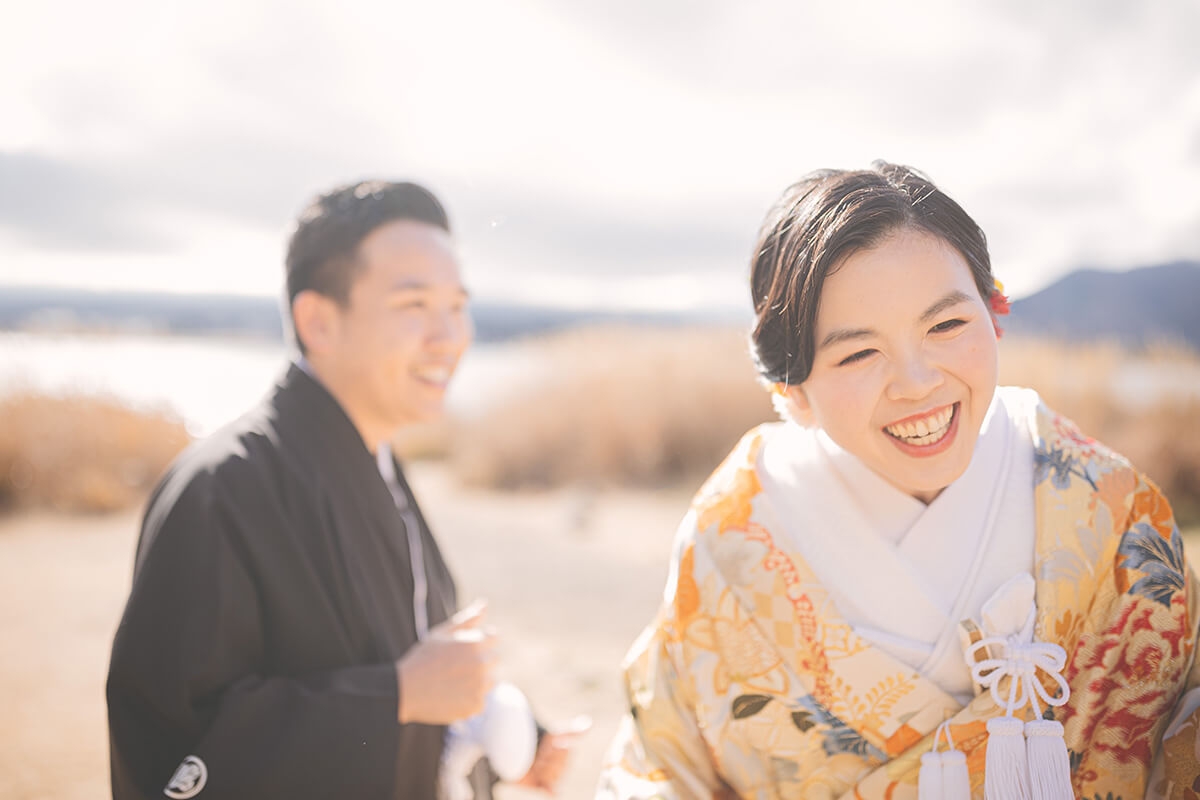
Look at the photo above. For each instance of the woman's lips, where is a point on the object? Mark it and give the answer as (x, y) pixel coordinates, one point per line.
(938, 434)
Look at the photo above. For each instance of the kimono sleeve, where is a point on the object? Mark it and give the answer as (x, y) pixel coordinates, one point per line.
(1134, 661)
(192, 712)
(658, 750)
(1176, 771)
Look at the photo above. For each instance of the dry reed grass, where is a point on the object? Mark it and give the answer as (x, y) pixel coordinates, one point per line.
(81, 453)
(638, 406)
(620, 406)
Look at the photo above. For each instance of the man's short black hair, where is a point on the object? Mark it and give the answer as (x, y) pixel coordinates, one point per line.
(322, 253)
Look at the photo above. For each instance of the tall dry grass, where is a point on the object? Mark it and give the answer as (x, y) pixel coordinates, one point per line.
(638, 406)
(81, 453)
(615, 406)
(619, 406)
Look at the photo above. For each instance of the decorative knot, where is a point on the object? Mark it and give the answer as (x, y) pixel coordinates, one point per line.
(1019, 661)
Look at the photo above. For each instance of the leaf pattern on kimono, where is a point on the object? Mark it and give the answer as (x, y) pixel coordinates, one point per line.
(1160, 561)
(1054, 464)
(884, 696)
(803, 720)
(847, 740)
(836, 735)
(1058, 464)
(747, 705)
(1065, 564)
(1072, 557)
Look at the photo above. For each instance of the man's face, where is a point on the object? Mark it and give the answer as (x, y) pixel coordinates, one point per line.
(906, 362)
(396, 344)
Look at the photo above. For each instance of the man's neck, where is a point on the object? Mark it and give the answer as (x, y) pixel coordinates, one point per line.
(313, 371)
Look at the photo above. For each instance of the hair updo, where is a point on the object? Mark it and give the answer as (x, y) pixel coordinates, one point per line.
(817, 223)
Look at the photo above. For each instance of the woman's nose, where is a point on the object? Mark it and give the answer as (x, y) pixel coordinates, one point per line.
(913, 378)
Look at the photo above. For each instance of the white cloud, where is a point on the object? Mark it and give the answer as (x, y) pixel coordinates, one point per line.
(606, 142)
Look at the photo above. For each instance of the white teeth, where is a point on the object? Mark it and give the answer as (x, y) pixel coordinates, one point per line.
(433, 374)
(924, 431)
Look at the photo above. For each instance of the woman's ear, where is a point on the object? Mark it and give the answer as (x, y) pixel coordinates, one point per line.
(316, 319)
(798, 407)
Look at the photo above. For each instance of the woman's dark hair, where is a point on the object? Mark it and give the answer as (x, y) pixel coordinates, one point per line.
(818, 222)
(322, 253)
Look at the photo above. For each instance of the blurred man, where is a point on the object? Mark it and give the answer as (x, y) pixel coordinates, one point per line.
(291, 629)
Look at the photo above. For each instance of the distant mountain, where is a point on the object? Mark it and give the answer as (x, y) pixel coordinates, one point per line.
(23, 308)
(1134, 307)
(75, 309)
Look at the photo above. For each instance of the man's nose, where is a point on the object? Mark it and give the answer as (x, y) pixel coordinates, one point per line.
(450, 327)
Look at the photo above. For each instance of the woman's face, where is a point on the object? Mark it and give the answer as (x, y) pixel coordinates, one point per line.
(905, 362)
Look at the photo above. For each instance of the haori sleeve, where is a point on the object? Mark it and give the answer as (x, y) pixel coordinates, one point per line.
(194, 709)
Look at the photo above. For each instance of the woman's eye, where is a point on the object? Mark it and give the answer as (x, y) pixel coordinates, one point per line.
(948, 325)
(859, 356)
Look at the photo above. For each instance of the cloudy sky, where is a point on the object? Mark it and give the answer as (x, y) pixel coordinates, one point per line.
(614, 153)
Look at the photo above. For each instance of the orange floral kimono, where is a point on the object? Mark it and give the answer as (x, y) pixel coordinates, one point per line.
(749, 683)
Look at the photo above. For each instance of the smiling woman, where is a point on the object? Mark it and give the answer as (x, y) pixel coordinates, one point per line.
(894, 373)
(919, 582)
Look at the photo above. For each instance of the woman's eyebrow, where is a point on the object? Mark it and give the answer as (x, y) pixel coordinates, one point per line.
(844, 334)
(953, 298)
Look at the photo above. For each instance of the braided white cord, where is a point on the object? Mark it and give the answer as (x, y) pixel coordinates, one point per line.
(1020, 661)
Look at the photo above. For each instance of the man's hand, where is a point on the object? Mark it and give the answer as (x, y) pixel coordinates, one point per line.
(446, 676)
(551, 758)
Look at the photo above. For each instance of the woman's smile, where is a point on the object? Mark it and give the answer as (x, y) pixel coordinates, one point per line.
(925, 434)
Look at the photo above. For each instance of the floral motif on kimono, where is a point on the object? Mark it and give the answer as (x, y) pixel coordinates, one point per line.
(750, 684)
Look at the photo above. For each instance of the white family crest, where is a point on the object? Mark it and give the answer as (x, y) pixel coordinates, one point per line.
(188, 779)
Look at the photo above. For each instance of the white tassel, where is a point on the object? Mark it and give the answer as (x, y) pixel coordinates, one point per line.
(943, 776)
(1049, 764)
(1006, 773)
(929, 779)
(1012, 652)
(956, 782)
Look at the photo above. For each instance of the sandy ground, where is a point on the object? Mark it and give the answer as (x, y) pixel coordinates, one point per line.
(571, 577)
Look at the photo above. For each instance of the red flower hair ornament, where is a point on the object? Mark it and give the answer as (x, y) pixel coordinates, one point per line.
(998, 302)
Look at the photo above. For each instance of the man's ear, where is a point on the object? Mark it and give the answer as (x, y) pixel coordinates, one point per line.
(316, 319)
(799, 407)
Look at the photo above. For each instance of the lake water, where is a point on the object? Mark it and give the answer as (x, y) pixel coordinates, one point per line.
(208, 381)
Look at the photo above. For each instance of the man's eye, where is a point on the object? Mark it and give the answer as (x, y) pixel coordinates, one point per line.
(859, 356)
(948, 325)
